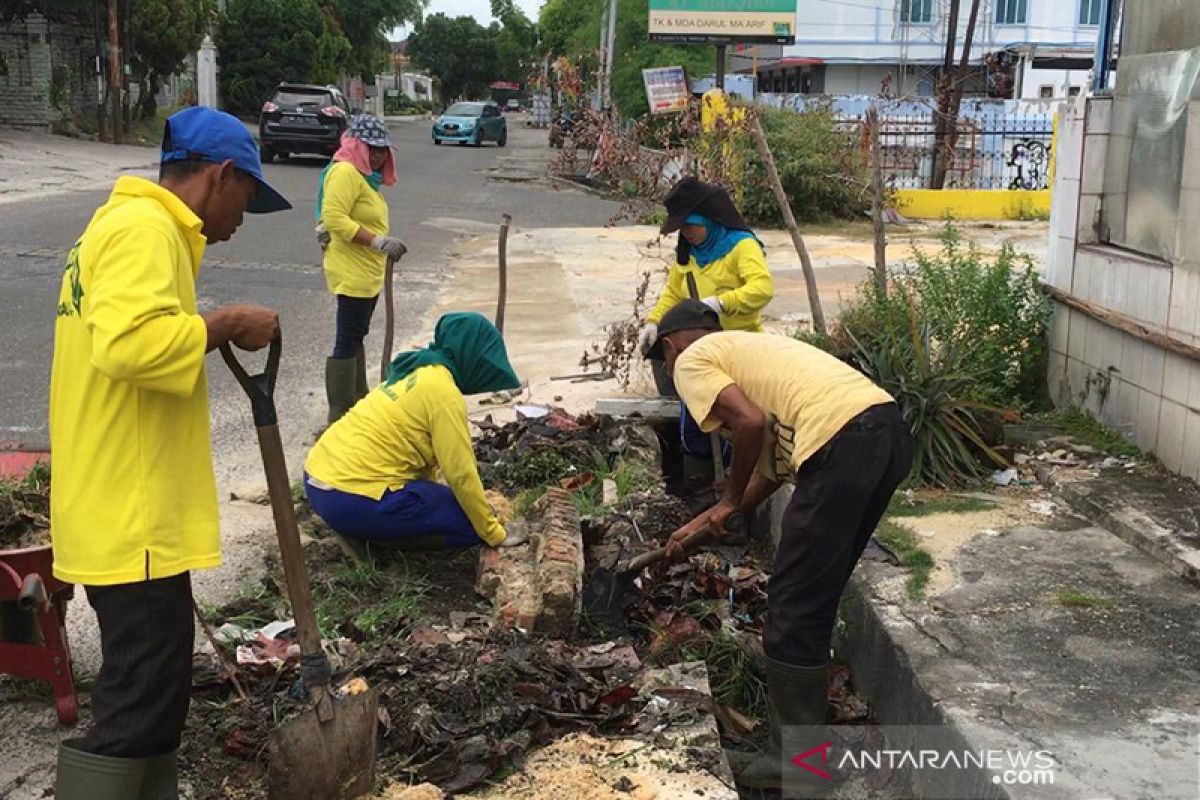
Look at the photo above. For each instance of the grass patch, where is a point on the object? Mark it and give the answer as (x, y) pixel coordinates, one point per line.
(913, 557)
(937, 504)
(344, 601)
(1072, 599)
(524, 501)
(148, 132)
(1088, 430)
(734, 678)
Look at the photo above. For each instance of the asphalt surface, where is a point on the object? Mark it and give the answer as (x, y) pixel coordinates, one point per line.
(443, 194)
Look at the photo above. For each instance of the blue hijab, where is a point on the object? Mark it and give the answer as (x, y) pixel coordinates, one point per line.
(718, 243)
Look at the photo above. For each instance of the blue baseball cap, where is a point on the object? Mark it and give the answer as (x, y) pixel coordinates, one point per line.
(205, 134)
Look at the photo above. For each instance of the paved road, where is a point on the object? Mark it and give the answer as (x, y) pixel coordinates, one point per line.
(443, 193)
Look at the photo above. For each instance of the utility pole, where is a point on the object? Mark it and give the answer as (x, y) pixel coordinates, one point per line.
(721, 67)
(960, 82)
(114, 71)
(610, 44)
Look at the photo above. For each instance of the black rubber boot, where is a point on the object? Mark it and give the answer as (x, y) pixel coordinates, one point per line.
(796, 696)
(361, 386)
(85, 776)
(162, 778)
(340, 386)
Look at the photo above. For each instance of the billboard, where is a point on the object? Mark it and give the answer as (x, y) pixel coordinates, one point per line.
(666, 89)
(723, 21)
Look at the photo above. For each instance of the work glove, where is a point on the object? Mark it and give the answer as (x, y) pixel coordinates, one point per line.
(714, 303)
(390, 246)
(515, 533)
(647, 337)
(323, 237)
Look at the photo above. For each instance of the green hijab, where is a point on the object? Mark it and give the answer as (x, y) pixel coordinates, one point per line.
(467, 345)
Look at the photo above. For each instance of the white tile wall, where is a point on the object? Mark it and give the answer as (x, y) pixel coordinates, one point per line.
(1185, 301)
(1060, 328)
(1099, 115)
(1087, 265)
(1060, 262)
(1194, 390)
(1133, 353)
(1095, 153)
(1137, 295)
(1076, 380)
(1191, 446)
(1119, 147)
(1057, 382)
(1188, 245)
(1064, 208)
(1123, 113)
(1154, 360)
(1097, 349)
(1177, 378)
(1146, 424)
(1158, 300)
(1089, 204)
(1121, 408)
(1171, 431)
(1070, 149)
(1191, 162)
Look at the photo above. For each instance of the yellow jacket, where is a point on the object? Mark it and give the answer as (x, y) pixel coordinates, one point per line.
(133, 491)
(401, 433)
(740, 280)
(349, 203)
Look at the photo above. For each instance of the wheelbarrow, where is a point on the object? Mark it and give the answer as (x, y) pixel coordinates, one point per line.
(33, 643)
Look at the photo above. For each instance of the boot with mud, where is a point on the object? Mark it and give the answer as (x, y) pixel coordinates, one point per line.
(86, 776)
(796, 696)
(340, 386)
(361, 386)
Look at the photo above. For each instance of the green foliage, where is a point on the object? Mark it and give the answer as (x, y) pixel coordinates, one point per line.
(525, 500)
(458, 52)
(1073, 599)
(930, 387)
(994, 309)
(404, 104)
(1088, 430)
(536, 469)
(821, 171)
(253, 62)
(364, 25)
(912, 556)
(735, 678)
(163, 33)
(378, 602)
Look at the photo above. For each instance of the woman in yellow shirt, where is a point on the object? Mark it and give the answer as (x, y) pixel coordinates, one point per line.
(352, 227)
(371, 475)
(719, 255)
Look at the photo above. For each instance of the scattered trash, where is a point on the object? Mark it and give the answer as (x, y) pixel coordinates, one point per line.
(1046, 508)
(1005, 477)
(352, 687)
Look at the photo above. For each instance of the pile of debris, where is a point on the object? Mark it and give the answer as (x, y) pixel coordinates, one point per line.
(25, 510)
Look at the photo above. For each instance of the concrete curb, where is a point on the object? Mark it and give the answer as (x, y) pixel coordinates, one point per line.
(1135, 527)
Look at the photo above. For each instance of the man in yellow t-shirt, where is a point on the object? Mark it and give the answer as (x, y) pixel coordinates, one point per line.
(795, 414)
(133, 501)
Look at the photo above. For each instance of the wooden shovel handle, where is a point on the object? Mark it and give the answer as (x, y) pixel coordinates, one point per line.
(639, 563)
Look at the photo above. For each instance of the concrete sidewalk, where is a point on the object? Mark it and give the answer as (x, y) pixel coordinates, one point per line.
(39, 165)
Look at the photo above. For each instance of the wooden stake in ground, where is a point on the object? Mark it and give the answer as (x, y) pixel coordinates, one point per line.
(224, 659)
(881, 281)
(502, 299)
(785, 208)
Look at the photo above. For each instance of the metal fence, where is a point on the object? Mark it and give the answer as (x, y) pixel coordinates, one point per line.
(1003, 152)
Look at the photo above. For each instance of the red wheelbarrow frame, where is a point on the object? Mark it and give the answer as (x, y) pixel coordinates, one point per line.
(27, 578)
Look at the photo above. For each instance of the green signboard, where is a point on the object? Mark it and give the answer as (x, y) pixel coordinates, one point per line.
(723, 21)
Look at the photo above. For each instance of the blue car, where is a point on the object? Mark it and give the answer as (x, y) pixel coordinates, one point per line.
(471, 123)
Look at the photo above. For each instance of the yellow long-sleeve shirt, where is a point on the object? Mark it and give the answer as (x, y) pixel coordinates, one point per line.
(133, 493)
(740, 280)
(401, 433)
(349, 203)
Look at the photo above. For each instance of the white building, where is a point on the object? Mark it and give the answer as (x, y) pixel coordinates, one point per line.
(1022, 48)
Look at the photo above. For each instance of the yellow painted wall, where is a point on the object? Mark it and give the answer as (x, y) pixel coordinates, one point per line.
(973, 203)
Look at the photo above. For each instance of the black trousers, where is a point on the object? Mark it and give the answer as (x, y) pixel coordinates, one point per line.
(842, 492)
(140, 701)
(353, 324)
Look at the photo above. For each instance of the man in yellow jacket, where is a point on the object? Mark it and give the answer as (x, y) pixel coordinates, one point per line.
(133, 500)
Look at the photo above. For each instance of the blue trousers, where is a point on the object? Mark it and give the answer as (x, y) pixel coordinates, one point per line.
(696, 442)
(423, 513)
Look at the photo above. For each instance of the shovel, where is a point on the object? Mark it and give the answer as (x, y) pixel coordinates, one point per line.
(605, 594)
(328, 751)
(389, 309)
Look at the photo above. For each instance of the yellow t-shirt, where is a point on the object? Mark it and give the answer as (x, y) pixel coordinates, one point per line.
(133, 496)
(739, 279)
(349, 203)
(807, 394)
(401, 433)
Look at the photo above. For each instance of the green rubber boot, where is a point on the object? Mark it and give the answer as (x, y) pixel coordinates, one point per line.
(84, 776)
(796, 696)
(162, 778)
(361, 386)
(340, 386)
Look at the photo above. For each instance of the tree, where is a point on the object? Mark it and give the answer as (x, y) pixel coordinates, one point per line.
(364, 24)
(516, 42)
(458, 52)
(162, 34)
(263, 42)
(561, 24)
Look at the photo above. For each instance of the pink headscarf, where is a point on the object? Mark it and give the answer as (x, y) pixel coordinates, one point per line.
(358, 153)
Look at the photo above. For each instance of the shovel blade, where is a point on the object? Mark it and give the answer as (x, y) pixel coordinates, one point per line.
(332, 760)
